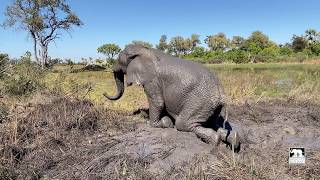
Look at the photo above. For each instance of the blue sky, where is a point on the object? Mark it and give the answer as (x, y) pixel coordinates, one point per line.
(121, 21)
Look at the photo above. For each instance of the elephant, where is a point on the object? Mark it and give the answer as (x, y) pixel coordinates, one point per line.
(295, 153)
(181, 93)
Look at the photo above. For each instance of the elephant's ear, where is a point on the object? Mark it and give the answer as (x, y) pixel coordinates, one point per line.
(140, 70)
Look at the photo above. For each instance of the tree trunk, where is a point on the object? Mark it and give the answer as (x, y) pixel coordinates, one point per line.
(44, 55)
(35, 48)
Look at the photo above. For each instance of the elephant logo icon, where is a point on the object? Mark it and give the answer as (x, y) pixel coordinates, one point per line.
(295, 153)
(296, 156)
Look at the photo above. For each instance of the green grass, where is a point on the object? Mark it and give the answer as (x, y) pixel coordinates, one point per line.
(297, 81)
(241, 81)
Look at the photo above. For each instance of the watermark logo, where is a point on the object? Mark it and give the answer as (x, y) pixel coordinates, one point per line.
(297, 156)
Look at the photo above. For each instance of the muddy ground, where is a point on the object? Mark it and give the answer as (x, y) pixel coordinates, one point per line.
(125, 147)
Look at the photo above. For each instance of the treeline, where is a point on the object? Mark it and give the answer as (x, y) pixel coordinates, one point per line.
(219, 48)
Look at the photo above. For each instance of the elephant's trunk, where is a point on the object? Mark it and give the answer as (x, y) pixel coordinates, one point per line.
(119, 78)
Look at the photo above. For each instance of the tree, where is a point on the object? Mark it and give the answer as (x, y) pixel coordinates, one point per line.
(312, 36)
(43, 20)
(217, 42)
(69, 62)
(110, 50)
(143, 43)
(299, 43)
(237, 42)
(163, 46)
(178, 45)
(258, 39)
(195, 40)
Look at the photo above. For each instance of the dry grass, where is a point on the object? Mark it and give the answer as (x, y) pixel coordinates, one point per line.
(57, 136)
(35, 136)
(100, 82)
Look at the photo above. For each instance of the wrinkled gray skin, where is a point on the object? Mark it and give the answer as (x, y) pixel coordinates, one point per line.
(180, 93)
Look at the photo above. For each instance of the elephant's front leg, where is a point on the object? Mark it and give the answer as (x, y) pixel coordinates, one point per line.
(156, 107)
(155, 111)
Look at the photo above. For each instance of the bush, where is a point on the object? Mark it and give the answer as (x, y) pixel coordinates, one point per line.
(110, 63)
(301, 56)
(214, 57)
(268, 54)
(3, 113)
(4, 62)
(24, 77)
(236, 56)
(285, 51)
(79, 89)
(198, 52)
(52, 62)
(315, 48)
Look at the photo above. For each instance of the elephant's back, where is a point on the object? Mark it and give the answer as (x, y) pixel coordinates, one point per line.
(189, 73)
(186, 81)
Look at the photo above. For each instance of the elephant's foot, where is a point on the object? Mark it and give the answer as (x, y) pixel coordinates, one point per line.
(231, 138)
(208, 135)
(165, 122)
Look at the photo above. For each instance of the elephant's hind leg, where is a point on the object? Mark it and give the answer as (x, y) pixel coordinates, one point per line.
(216, 137)
(231, 138)
(165, 122)
(207, 135)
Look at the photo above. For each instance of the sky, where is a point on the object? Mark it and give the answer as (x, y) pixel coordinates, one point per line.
(121, 21)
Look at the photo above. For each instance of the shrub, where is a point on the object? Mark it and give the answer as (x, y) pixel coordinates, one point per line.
(285, 51)
(79, 89)
(198, 52)
(3, 113)
(110, 63)
(214, 57)
(24, 78)
(4, 62)
(236, 56)
(268, 54)
(301, 56)
(315, 48)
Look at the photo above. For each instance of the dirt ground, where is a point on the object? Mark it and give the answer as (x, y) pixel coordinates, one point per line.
(125, 147)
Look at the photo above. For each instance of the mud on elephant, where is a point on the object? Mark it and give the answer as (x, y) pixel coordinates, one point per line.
(180, 93)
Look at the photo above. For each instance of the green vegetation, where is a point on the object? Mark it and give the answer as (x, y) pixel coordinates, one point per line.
(257, 48)
(289, 81)
(300, 82)
(22, 78)
(143, 43)
(110, 50)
